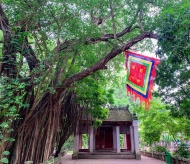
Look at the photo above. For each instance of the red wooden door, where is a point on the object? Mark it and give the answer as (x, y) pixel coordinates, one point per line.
(128, 141)
(104, 138)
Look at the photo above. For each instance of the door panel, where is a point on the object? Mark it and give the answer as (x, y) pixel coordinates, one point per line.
(104, 138)
(128, 141)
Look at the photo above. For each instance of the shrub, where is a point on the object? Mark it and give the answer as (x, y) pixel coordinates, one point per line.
(182, 151)
(160, 149)
(68, 145)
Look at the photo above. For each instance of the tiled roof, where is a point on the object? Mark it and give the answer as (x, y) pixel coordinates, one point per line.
(115, 114)
(119, 115)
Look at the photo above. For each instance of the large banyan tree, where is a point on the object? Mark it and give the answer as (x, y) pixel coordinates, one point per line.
(56, 59)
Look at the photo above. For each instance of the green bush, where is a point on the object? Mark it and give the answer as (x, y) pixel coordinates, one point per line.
(68, 145)
(160, 149)
(182, 151)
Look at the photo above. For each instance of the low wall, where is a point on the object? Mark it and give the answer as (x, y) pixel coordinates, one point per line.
(161, 156)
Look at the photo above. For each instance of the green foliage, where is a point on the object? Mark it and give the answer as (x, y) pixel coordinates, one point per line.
(167, 138)
(121, 138)
(173, 72)
(120, 96)
(68, 145)
(92, 91)
(85, 140)
(97, 123)
(157, 120)
(6, 153)
(182, 151)
(11, 103)
(151, 122)
(4, 160)
(160, 149)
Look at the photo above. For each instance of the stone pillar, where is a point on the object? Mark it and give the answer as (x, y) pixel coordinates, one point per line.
(75, 146)
(118, 138)
(136, 137)
(114, 139)
(76, 143)
(132, 139)
(125, 141)
(80, 141)
(91, 146)
(94, 141)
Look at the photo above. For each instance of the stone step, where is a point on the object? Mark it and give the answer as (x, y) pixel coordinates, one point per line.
(106, 156)
(107, 153)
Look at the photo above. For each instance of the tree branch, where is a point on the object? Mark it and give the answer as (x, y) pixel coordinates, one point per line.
(140, 20)
(113, 21)
(101, 63)
(4, 23)
(8, 67)
(30, 56)
(106, 37)
(68, 43)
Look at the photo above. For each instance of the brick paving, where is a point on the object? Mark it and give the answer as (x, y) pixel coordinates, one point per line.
(144, 160)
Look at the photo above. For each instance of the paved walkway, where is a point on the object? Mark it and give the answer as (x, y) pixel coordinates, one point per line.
(144, 160)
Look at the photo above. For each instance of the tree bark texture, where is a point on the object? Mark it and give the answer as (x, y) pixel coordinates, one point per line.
(50, 123)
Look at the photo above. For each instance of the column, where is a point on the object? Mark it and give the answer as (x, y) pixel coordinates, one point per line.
(91, 139)
(94, 141)
(125, 141)
(114, 139)
(136, 137)
(76, 144)
(80, 141)
(118, 139)
(132, 139)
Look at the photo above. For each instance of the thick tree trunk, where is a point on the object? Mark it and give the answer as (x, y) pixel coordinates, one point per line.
(51, 123)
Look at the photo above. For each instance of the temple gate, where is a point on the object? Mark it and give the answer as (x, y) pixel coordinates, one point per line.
(105, 141)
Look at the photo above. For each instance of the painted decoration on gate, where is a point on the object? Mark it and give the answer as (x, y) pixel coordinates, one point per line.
(141, 72)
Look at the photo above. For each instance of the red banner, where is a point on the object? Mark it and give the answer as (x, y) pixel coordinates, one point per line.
(141, 72)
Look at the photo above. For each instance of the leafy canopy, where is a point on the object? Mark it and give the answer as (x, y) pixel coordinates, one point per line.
(174, 47)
